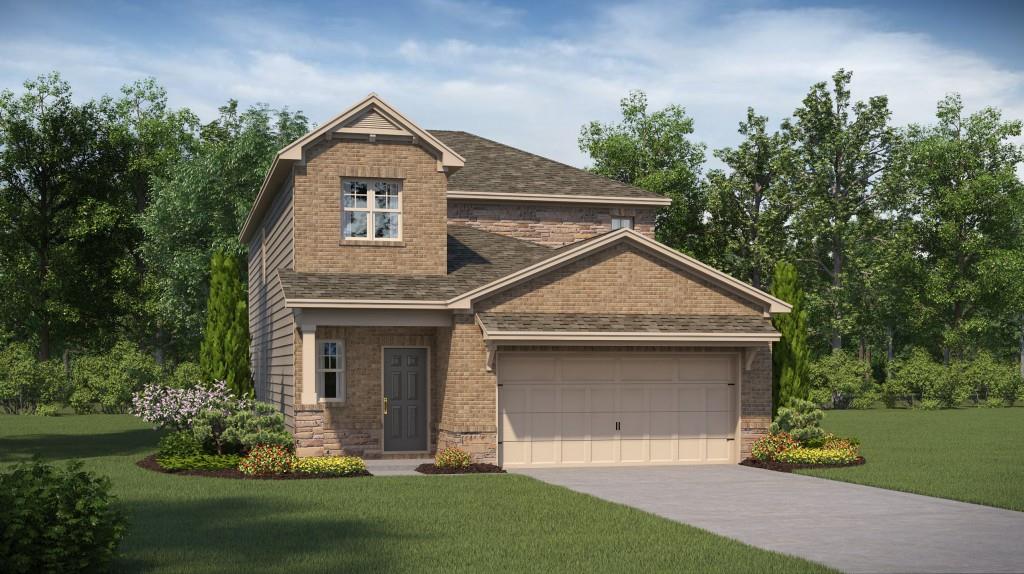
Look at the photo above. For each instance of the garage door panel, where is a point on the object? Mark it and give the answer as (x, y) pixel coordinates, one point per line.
(691, 398)
(544, 399)
(513, 399)
(544, 426)
(719, 397)
(649, 369)
(533, 369)
(603, 398)
(574, 399)
(603, 410)
(575, 426)
(633, 398)
(515, 426)
(588, 370)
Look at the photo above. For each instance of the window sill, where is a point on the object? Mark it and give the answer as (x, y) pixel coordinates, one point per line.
(371, 243)
(331, 401)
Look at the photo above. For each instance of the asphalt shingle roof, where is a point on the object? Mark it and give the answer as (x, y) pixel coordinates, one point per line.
(498, 168)
(585, 322)
(475, 258)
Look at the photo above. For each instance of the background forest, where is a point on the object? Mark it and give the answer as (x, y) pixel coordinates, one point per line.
(905, 243)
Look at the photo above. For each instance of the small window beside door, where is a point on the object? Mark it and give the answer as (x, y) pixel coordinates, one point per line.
(330, 371)
(620, 221)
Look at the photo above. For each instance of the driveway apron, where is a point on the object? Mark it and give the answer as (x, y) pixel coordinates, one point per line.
(850, 527)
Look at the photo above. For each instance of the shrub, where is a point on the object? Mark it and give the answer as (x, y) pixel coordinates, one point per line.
(832, 441)
(180, 443)
(176, 407)
(200, 462)
(224, 352)
(952, 388)
(865, 401)
(843, 376)
(908, 377)
(186, 376)
(823, 455)
(57, 520)
(330, 465)
(452, 457)
(791, 355)
(232, 426)
(48, 410)
(109, 380)
(928, 405)
(266, 459)
(25, 382)
(769, 446)
(994, 403)
(994, 381)
(257, 423)
(801, 420)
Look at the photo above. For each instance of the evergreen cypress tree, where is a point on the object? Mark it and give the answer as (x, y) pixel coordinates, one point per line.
(791, 359)
(224, 353)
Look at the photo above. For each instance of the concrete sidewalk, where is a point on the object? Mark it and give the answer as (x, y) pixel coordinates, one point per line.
(850, 527)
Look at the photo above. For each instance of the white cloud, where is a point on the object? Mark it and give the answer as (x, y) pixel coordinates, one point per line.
(536, 91)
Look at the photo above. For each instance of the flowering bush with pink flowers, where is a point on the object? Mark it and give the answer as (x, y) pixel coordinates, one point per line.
(176, 408)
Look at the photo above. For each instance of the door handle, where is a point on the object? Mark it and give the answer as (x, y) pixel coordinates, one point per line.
(385, 405)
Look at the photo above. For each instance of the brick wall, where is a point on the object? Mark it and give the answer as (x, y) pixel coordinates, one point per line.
(318, 241)
(552, 225)
(756, 390)
(620, 279)
(355, 426)
(469, 395)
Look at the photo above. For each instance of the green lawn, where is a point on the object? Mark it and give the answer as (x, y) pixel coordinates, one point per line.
(969, 454)
(429, 523)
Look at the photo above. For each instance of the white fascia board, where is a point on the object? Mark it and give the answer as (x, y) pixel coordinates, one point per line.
(556, 198)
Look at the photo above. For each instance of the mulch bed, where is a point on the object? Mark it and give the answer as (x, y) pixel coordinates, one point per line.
(150, 463)
(790, 467)
(475, 468)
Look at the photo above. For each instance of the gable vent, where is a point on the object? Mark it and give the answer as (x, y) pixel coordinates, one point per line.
(373, 121)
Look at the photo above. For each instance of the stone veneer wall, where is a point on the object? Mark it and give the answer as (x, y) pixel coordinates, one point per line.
(551, 225)
(355, 427)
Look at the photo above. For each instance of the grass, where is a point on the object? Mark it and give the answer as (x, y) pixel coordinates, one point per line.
(970, 454)
(394, 524)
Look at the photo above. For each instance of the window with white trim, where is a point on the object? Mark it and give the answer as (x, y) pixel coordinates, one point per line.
(371, 209)
(330, 370)
(620, 221)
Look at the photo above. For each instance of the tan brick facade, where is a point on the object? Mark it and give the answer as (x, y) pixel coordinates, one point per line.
(469, 394)
(620, 279)
(355, 426)
(548, 224)
(319, 246)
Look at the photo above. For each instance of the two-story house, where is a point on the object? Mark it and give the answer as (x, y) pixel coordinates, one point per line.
(411, 290)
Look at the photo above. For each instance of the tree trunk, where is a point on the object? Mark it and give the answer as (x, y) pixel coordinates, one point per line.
(1020, 342)
(888, 343)
(755, 276)
(837, 270)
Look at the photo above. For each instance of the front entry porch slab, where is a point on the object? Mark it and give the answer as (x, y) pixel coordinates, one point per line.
(396, 467)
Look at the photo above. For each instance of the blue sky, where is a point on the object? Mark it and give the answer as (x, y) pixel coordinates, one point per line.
(527, 73)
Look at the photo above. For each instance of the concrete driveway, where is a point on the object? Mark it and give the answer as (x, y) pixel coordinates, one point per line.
(850, 527)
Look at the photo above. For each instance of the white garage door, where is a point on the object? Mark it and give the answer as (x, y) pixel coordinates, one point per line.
(608, 409)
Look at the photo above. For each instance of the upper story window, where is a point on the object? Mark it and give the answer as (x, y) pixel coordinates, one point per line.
(371, 209)
(619, 221)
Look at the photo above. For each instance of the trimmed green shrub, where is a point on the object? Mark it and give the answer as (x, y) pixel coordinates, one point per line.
(841, 378)
(108, 381)
(823, 455)
(200, 462)
(330, 465)
(866, 401)
(989, 378)
(224, 353)
(238, 426)
(57, 520)
(800, 420)
(769, 446)
(791, 357)
(954, 387)
(180, 443)
(452, 457)
(928, 405)
(25, 382)
(267, 459)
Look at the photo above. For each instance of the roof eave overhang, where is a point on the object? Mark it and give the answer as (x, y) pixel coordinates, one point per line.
(363, 304)
(621, 338)
(559, 198)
